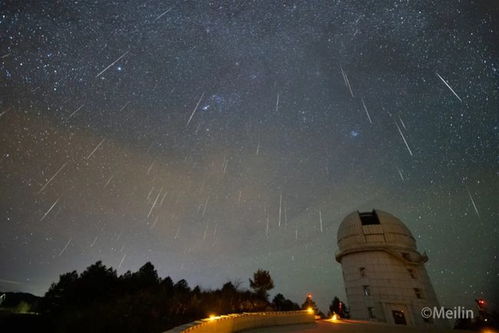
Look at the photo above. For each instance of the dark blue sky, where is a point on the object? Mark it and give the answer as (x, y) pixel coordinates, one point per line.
(216, 138)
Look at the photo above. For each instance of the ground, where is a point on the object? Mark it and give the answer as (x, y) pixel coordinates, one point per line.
(351, 326)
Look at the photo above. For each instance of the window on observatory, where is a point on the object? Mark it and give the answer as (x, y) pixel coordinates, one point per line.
(372, 315)
(367, 290)
(369, 218)
(362, 271)
(418, 293)
(411, 273)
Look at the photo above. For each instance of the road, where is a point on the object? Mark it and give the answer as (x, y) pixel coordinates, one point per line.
(325, 326)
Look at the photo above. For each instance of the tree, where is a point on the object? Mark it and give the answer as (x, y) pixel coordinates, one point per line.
(60, 293)
(98, 300)
(147, 276)
(182, 286)
(310, 304)
(167, 283)
(95, 283)
(278, 301)
(339, 308)
(228, 288)
(261, 283)
(281, 303)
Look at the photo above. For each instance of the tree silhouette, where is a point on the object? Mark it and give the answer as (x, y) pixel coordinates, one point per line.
(281, 303)
(148, 274)
(339, 308)
(98, 300)
(96, 282)
(60, 293)
(261, 283)
(310, 304)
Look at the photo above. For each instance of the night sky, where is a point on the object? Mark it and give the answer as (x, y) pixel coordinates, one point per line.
(216, 138)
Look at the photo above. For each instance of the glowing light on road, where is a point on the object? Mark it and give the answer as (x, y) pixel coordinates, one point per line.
(213, 317)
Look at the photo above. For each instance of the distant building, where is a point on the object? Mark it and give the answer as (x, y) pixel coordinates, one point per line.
(384, 274)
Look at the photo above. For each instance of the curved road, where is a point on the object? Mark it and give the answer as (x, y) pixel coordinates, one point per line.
(347, 326)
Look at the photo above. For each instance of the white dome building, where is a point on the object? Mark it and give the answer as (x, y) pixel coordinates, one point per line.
(384, 274)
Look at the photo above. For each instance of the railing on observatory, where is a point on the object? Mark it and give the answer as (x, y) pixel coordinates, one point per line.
(243, 321)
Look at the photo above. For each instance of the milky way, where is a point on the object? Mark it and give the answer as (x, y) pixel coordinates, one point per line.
(216, 138)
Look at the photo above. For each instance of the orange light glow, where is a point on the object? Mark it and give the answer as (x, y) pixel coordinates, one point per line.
(335, 317)
(212, 317)
(310, 309)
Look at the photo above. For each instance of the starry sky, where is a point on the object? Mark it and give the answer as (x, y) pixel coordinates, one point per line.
(214, 138)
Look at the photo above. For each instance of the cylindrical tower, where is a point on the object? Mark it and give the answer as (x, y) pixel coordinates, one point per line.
(384, 274)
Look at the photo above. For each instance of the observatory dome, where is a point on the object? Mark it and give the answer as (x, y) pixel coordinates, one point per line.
(373, 229)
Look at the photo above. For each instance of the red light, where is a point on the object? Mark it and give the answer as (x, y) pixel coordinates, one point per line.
(481, 302)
